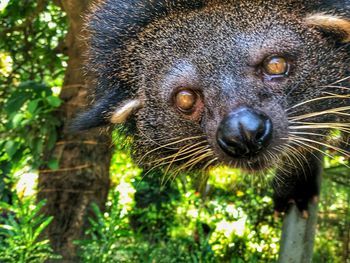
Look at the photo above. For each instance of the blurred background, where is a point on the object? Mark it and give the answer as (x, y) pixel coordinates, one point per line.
(79, 198)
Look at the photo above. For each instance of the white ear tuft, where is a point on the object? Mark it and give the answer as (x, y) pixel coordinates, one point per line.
(121, 114)
(330, 22)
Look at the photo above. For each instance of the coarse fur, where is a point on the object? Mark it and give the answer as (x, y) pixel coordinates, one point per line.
(142, 52)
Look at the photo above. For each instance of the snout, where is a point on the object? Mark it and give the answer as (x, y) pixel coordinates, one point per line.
(245, 132)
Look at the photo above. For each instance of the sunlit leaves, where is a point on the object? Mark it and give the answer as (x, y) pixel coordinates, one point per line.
(6, 64)
(30, 121)
(54, 101)
(106, 235)
(21, 225)
(31, 53)
(3, 4)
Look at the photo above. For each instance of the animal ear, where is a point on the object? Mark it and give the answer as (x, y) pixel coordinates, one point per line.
(123, 112)
(333, 24)
(107, 110)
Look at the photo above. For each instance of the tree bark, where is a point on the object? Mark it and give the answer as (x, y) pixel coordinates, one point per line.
(84, 159)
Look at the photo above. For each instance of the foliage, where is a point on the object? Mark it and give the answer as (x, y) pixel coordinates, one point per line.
(111, 239)
(21, 227)
(230, 221)
(31, 46)
(29, 114)
(176, 223)
(106, 233)
(32, 39)
(31, 68)
(333, 237)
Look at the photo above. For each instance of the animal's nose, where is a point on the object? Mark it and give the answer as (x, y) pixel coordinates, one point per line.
(244, 132)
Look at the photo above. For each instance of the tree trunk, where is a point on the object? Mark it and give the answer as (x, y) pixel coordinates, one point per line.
(83, 176)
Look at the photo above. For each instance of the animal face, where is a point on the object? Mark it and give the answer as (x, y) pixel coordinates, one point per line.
(241, 83)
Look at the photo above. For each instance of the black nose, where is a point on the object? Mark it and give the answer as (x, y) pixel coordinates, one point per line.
(244, 132)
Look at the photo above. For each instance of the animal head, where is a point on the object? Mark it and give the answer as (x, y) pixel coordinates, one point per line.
(248, 84)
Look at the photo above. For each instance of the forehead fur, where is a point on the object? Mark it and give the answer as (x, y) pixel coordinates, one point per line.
(113, 23)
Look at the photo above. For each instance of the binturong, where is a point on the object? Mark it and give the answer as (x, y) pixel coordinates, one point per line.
(250, 84)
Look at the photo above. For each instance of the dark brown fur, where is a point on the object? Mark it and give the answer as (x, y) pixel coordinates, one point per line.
(141, 51)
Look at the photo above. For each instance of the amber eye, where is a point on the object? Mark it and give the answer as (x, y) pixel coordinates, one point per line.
(276, 66)
(185, 100)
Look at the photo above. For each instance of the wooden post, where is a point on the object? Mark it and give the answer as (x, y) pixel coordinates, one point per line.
(298, 236)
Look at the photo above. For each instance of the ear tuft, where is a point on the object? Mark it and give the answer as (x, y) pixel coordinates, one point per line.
(121, 114)
(332, 23)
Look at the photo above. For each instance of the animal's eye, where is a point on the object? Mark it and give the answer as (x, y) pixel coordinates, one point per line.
(276, 66)
(186, 100)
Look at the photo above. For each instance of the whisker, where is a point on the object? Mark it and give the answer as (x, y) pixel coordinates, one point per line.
(205, 167)
(283, 169)
(338, 111)
(278, 179)
(186, 152)
(183, 156)
(338, 96)
(194, 153)
(160, 164)
(299, 158)
(193, 162)
(204, 177)
(332, 96)
(196, 159)
(343, 127)
(308, 133)
(346, 153)
(182, 151)
(338, 81)
(327, 137)
(345, 124)
(320, 151)
(166, 146)
(200, 156)
(307, 150)
(309, 147)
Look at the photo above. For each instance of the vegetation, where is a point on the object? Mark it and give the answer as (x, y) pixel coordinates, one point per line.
(21, 225)
(228, 218)
(31, 72)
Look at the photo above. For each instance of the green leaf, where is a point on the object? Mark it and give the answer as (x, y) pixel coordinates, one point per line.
(51, 139)
(6, 227)
(54, 101)
(16, 102)
(53, 164)
(5, 206)
(11, 148)
(38, 147)
(32, 106)
(17, 119)
(41, 228)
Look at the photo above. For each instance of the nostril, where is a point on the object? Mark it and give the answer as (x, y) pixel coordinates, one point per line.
(233, 148)
(265, 133)
(245, 132)
(259, 136)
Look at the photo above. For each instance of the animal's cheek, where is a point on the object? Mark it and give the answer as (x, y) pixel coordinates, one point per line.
(209, 125)
(160, 123)
(279, 119)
